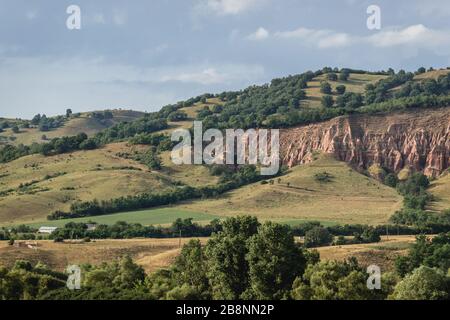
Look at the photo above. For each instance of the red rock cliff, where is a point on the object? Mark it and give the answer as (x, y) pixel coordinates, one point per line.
(419, 140)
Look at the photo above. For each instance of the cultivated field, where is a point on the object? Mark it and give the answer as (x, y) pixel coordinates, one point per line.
(152, 254)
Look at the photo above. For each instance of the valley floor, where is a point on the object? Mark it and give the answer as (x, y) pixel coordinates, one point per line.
(154, 254)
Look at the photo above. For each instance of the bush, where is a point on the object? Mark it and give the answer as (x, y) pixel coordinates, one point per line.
(318, 236)
(341, 89)
(325, 87)
(327, 101)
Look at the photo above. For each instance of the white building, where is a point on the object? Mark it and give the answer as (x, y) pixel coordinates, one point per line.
(47, 230)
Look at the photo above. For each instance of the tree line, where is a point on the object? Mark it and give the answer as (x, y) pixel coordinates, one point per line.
(245, 260)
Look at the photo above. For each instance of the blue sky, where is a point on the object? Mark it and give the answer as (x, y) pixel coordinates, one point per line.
(143, 54)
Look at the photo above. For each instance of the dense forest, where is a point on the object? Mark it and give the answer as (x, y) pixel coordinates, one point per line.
(243, 260)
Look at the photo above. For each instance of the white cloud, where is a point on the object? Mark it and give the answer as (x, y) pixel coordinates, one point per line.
(414, 37)
(417, 35)
(225, 74)
(259, 34)
(319, 38)
(228, 7)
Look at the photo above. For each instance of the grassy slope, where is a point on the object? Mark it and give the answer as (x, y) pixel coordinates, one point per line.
(98, 174)
(440, 189)
(84, 123)
(349, 198)
(356, 83)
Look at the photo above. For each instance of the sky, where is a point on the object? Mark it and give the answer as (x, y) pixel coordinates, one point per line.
(144, 54)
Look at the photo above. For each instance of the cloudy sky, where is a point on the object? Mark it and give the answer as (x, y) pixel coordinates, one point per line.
(143, 54)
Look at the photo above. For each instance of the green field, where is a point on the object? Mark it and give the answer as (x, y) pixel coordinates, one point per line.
(160, 216)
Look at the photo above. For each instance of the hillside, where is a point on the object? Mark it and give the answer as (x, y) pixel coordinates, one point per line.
(368, 131)
(34, 186)
(440, 189)
(348, 198)
(83, 122)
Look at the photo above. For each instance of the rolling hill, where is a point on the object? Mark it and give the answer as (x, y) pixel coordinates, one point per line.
(84, 122)
(354, 150)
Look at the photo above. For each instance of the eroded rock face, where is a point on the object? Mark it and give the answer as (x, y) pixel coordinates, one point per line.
(418, 140)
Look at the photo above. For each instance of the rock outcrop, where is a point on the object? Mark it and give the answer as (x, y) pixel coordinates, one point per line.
(417, 140)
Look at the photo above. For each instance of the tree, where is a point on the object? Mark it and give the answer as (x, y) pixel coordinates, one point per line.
(318, 236)
(68, 113)
(421, 70)
(344, 75)
(327, 101)
(15, 129)
(217, 108)
(423, 284)
(226, 253)
(325, 87)
(177, 116)
(332, 280)
(391, 180)
(275, 260)
(340, 89)
(190, 268)
(36, 119)
(332, 77)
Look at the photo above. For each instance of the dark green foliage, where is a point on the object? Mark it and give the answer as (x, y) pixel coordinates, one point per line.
(244, 260)
(344, 75)
(332, 77)
(433, 253)
(340, 89)
(323, 177)
(318, 236)
(327, 101)
(332, 280)
(391, 180)
(423, 284)
(350, 101)
(123, 230)
(149, 158)
(274, 260)
(177, 116)
(414, 191)
(228, 269)
(325, 87)
(27, 282)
